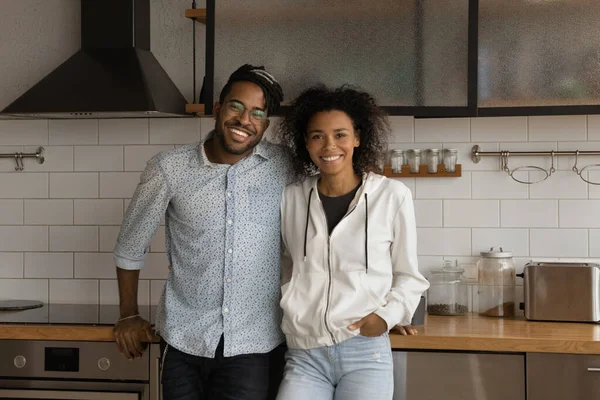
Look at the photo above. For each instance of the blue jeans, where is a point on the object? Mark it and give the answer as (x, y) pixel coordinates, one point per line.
(357, 368)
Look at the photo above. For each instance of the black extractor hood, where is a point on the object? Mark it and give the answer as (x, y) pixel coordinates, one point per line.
(113, 75)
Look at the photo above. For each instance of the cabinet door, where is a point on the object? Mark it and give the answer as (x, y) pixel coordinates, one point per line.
(538, 53)
(404, 52)
(562, 376)
(155, 375)
(458, 376)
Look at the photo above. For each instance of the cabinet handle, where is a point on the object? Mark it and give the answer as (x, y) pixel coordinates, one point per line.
(593, 369)
(158, 393)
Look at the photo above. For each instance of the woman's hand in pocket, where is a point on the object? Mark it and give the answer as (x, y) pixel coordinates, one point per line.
(372, 325)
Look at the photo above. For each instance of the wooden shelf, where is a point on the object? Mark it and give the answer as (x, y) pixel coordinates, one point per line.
(198, 14)
(194, 108)
(423, 172)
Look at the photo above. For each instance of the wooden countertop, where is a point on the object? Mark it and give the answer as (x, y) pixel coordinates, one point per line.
(92, 333)
(467, 333)
(475, 333)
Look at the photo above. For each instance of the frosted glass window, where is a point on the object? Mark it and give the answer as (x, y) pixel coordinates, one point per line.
(539, 53)
(402, 55)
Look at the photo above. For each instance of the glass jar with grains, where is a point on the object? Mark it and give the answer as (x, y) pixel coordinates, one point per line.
(448, 291)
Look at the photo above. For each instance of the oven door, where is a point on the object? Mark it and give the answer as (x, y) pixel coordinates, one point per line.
(13, 394)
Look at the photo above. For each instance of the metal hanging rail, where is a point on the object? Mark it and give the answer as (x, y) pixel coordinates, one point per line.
(476, 153)
(18, 157)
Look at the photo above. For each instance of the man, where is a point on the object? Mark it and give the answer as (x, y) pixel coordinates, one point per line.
(219, 313)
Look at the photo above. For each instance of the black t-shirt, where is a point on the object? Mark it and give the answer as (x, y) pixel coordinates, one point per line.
(336, 207)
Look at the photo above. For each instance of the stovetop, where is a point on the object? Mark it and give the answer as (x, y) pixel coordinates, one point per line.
(72, 314)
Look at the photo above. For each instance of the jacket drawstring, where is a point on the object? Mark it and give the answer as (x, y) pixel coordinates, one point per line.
(307, 219)
(366, 234)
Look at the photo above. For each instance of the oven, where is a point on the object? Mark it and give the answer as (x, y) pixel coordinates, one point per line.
(45, 370)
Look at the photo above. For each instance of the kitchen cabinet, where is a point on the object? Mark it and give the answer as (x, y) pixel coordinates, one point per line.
(562, 376)
(538, 54)
(406, 53)
(458, 376)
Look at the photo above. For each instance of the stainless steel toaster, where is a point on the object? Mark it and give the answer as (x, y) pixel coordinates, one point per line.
(558, 291)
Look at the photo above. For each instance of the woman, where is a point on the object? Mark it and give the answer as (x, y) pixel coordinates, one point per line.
(350, 235)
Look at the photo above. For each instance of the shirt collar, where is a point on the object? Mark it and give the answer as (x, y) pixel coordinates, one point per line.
(261, 149)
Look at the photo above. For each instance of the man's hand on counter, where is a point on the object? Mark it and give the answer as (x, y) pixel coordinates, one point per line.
(132, 336)
(405, 330)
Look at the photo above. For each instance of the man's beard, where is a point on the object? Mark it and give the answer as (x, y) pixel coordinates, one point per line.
(220, 135)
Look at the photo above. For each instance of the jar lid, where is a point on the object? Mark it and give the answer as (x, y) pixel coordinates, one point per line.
(448, 270)
(416, 151)
(397, 151)
(496, 254)
(434, 150)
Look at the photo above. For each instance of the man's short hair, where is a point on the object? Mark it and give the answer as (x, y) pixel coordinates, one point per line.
(259, 76)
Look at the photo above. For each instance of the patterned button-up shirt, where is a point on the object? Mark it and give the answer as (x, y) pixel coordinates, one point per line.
(222, 228)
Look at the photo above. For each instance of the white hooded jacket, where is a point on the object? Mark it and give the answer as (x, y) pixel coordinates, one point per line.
(368, 264)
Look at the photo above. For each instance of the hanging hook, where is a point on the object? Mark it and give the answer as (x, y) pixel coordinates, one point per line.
(575, 169)
(552, 169)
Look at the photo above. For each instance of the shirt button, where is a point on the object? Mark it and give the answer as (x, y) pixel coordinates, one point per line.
(228, 194)
(226, 309)
(230, 251)
(229, 221)
(228, 280)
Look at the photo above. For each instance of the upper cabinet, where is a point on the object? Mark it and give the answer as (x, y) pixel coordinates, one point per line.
(538, 54)
(406, 53)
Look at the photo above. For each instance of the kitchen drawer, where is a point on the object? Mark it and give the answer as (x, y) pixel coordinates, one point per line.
(458, 376)
(563, 376)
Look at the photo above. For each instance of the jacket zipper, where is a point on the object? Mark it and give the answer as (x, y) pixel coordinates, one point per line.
(329, 271)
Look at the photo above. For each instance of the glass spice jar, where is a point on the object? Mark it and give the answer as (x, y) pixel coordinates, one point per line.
(414, 160)
(450, 159)
(433, 160)
(397, 160)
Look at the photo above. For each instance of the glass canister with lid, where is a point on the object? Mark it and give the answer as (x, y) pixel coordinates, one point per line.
(448, 290)
(496, 291)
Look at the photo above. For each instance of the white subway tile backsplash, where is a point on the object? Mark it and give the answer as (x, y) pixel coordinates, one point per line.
(471, 213)
(443, 130)
(560, 185)
(402, 129)
(98, 158)
(427, 263)
(73, 131)
(56, 159)
(49, 212)
(428, 213)
(559, 242)
(9, 164)
(444, 188)
(156, 266)
(515, 240)
(207, 124)
(156, 290)
(23, 185)
(11, 212)
(11, 265)
(23, 132)
(557, 128)
(499, 129)
(98, 212)
(108, 237)
(593, 127)
(529, 213)
(74, 185)
(115, 185)
(95, 266)
(444, 241)
(23, 238)
(49, 265)
(73, 238)
(24, 289)
(594, 236)
(73, 291)
(174, 130)
(136, 157)
(109, 292)
(593, 190)
(579, 213)
(498, 185)
(123, 131)
(158, 242)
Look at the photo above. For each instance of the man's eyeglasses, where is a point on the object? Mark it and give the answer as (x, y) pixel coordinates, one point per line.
(237, 108)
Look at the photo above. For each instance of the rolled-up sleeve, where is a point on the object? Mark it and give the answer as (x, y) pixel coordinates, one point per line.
(143, 217)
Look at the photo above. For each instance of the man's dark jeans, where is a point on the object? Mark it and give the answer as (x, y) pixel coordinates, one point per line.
(243, 377)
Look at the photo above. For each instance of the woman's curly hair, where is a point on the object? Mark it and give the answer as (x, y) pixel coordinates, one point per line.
(368, 120)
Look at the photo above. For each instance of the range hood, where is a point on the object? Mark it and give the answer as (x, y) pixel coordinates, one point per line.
(113, 75)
